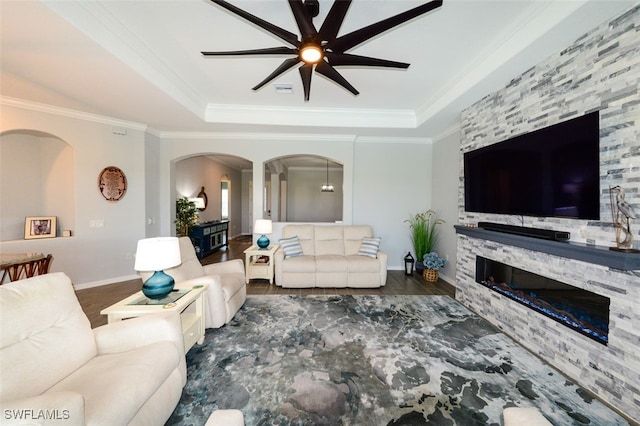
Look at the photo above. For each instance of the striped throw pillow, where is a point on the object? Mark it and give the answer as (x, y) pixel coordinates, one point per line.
(291, 247)
(369, 247)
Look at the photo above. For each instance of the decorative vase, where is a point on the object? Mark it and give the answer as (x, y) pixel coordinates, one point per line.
(430, 275)
(158, 286)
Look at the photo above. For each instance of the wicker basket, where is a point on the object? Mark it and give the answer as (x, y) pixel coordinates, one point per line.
(430, 275)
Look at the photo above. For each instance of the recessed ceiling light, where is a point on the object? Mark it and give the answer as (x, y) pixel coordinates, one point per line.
(283, 88)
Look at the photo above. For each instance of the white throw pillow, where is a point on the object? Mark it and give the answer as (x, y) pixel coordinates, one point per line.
(291, 247)
(369, 247)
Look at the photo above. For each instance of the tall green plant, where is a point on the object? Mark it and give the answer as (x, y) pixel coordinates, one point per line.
(424, 232)
(186, 216)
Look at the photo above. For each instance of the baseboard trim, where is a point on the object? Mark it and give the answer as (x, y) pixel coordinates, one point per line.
(108, 281)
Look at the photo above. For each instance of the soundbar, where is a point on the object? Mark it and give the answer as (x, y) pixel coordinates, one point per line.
(546, 234)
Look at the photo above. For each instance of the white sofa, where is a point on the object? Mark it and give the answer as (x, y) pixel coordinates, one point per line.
(227, 289)
(330, 258)
(55, 369)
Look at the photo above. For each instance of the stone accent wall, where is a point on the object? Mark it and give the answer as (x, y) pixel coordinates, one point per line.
(600, 71)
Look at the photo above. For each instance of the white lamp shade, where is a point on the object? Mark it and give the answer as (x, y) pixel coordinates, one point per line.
(157, 254)
(199, 202)
(263, 226)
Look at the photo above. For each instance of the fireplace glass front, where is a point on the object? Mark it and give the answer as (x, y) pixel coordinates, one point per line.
(581, 310)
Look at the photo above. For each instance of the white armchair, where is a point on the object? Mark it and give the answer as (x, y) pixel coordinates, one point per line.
(227, 290)
(55, 369)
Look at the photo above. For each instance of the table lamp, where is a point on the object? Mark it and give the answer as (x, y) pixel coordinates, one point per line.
(263, 226)
(157, 254)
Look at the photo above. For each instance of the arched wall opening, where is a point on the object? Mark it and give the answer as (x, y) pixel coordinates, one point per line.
(37, 179)
(293, 189)
(214, 175)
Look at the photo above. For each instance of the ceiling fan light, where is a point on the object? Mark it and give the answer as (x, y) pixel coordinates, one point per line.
(311, 53)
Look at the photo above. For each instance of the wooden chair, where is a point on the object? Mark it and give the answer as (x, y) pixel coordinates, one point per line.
(27, 269)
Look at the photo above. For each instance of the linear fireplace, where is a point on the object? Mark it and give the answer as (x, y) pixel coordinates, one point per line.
(578, 309)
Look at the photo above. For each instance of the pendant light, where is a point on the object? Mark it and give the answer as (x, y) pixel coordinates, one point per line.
(327, 187)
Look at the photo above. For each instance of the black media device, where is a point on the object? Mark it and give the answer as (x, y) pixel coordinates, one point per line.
(550, 172)
(545, 234)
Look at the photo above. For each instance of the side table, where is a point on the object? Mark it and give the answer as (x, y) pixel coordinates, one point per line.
(189, 302)
(259, 262)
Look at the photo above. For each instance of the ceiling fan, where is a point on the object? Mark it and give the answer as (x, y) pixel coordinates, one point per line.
(322, 49)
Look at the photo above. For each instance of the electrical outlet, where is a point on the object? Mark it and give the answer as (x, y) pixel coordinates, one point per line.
(96, 223)
(591, 242)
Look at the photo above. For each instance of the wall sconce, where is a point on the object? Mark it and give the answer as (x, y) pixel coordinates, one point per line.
(157, 254)
(263, 226)
(205, 199)
(408, 264)
(199, 202)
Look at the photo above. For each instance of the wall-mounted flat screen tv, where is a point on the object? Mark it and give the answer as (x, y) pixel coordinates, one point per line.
(550, 172)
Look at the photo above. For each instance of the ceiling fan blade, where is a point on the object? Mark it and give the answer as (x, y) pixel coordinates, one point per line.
(305, 24)
(328, 71)
(273, 29)
(284, 66)
(347, 41)
(333, 21)
(266, 51)
(305, 75)
(339, 59)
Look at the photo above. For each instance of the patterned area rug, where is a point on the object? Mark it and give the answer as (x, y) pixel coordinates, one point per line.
(372, 360)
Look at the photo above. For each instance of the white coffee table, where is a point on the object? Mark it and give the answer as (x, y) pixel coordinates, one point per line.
(189, 302)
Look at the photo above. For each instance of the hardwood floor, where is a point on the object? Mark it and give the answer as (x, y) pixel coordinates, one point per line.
(93, 300)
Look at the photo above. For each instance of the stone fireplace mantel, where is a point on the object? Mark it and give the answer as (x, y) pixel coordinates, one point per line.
(598, 255)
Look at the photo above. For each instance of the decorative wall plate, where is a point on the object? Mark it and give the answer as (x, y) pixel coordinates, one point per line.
(112, 184)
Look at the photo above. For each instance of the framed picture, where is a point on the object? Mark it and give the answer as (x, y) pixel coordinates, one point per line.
(40, 227)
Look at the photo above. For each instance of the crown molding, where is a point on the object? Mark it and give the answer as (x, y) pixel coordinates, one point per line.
(319, 117)
(534, 22)
(227, 136)
(393, 140)
(69, 113)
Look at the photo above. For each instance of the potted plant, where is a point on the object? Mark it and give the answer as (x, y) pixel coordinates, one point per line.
(186, 216)
(432, 263)
(423, 228)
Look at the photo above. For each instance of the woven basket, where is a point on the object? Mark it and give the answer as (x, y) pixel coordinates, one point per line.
(430, 275)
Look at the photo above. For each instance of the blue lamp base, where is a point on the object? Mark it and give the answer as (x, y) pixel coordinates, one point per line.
(158, 285)
(263, 241)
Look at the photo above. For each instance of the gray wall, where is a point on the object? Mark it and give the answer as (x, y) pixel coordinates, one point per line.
(445, 180)
(305, 202)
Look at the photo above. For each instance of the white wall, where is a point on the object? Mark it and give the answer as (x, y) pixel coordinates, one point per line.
(91, 255)
(445, 181)
(383, 183)
(391, 182)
